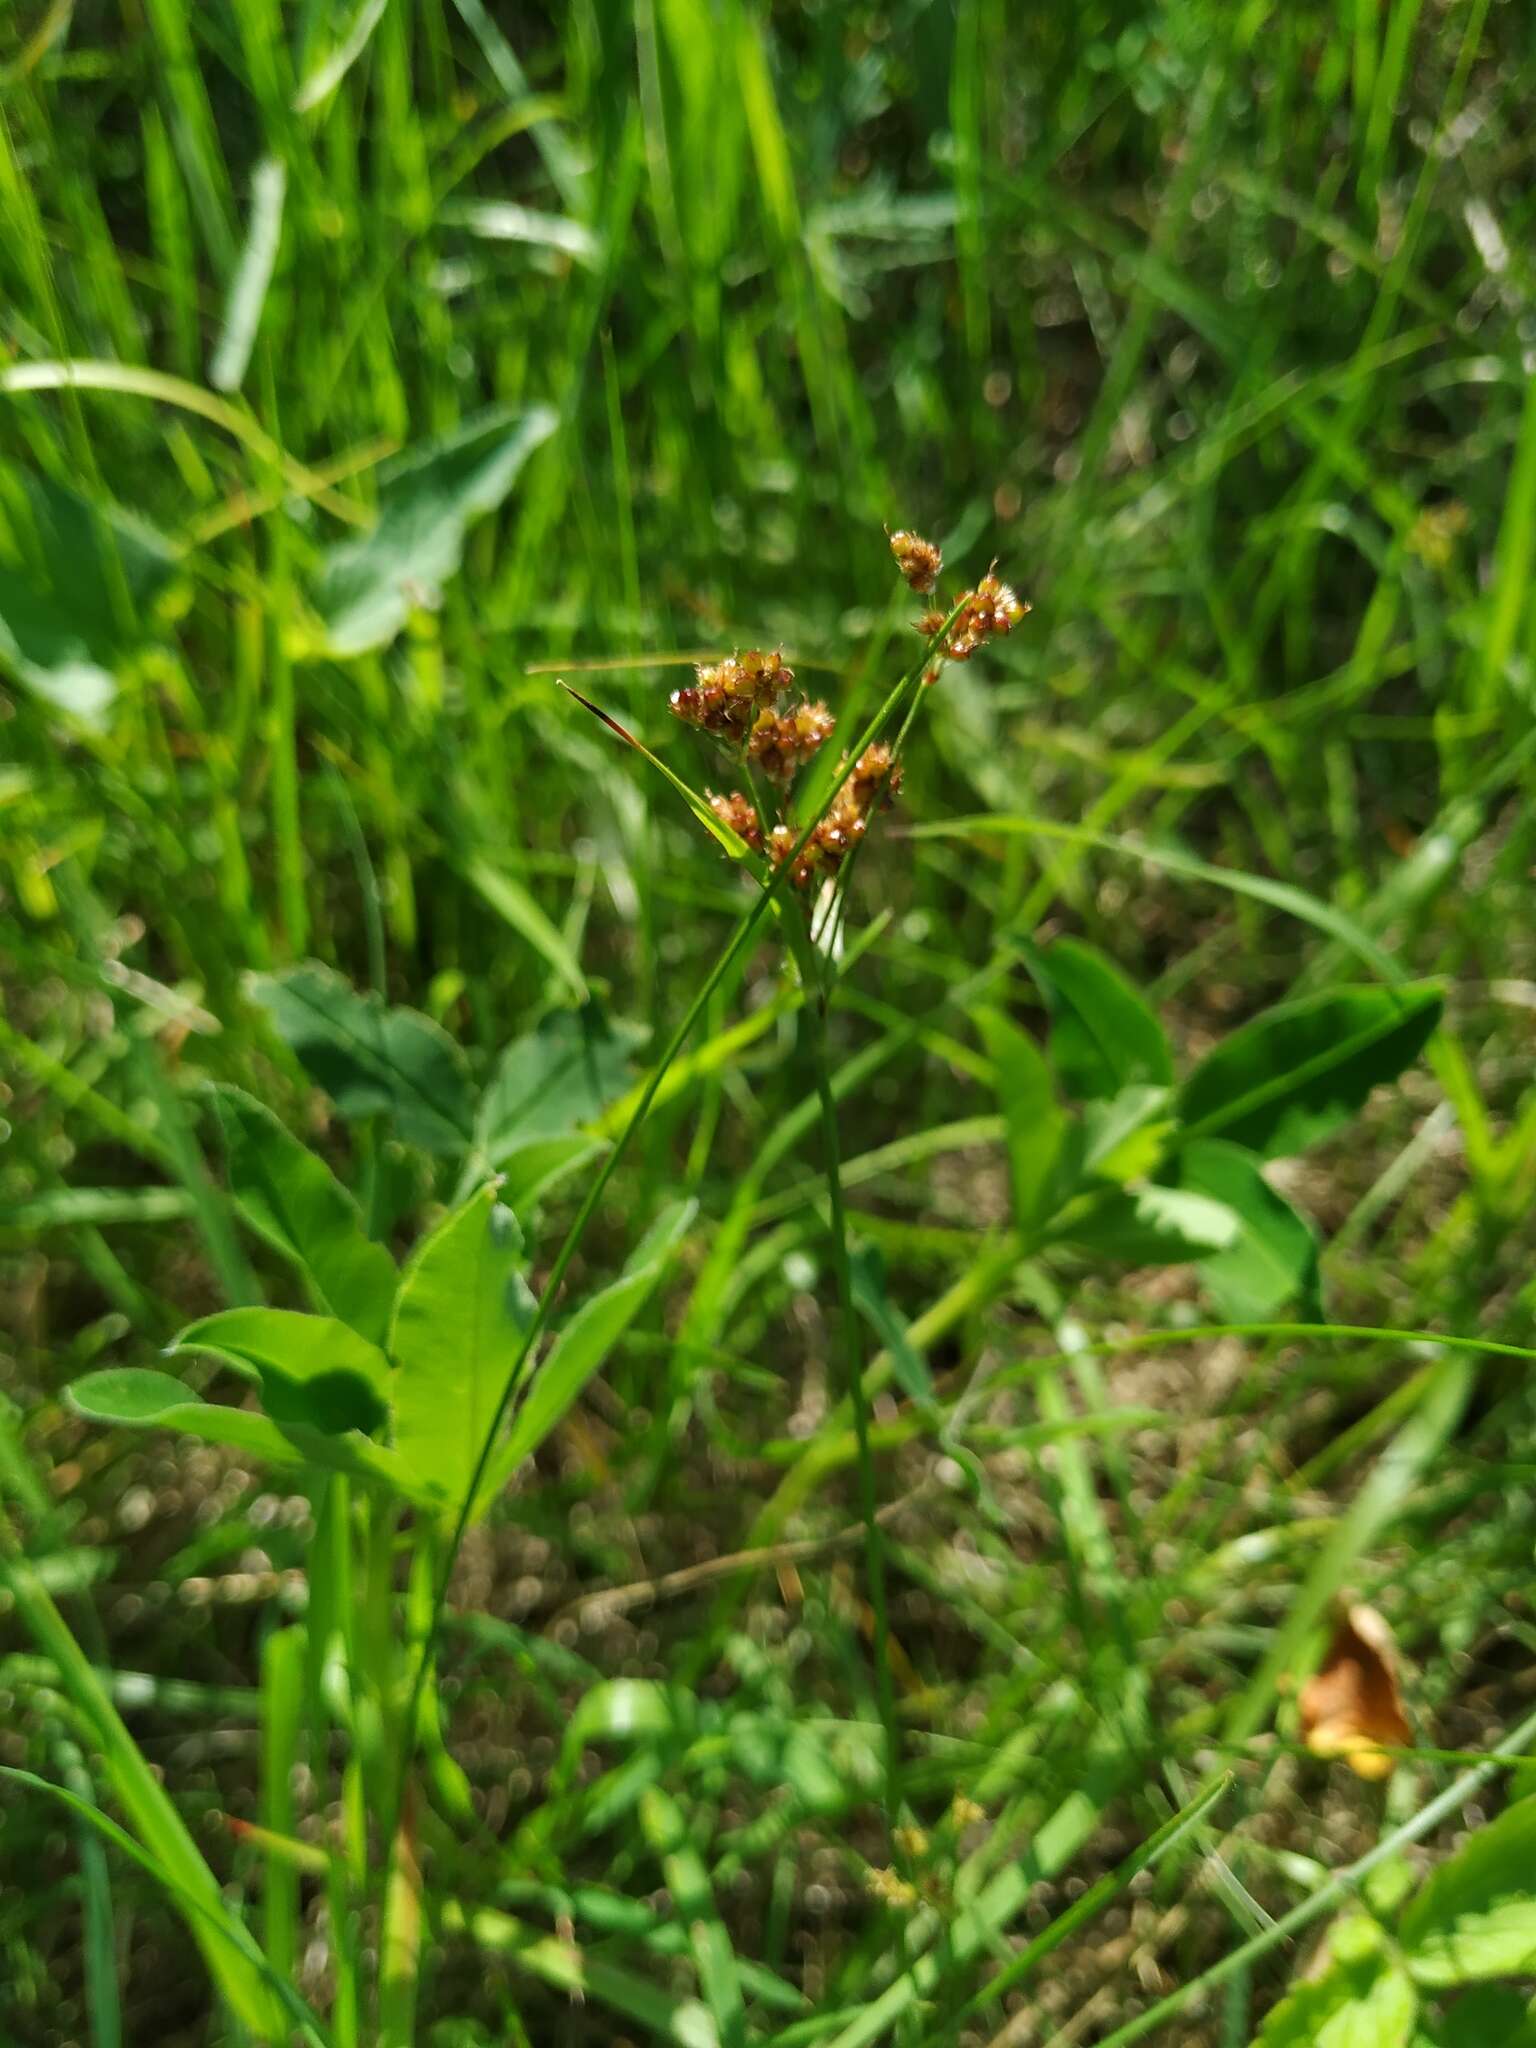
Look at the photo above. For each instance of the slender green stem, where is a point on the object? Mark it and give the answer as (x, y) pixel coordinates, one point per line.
(853, 1358)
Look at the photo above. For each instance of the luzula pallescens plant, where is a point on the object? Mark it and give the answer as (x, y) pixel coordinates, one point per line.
(747, 704)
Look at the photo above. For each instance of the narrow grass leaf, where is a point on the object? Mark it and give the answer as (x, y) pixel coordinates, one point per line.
(1297, 903)
(717, 829)
(516, 906)
(683, 2021)
(866, 1265)
(503, 220)
(665, 1827)
(253, 275)
(282, 1713)
(325, 78)
(167, 1850)
(86, 1208)
(227, 1945)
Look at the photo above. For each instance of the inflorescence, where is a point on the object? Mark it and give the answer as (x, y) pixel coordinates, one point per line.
(742, 701)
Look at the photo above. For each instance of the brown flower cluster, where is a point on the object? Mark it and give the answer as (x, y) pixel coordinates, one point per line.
(780, 745)
(876, 778)
(742, 702)
(918, 560)
(728, 695)
(738, 701)
(992, 607)
(740, 813)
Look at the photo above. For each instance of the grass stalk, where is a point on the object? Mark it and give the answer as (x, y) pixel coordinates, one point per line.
(815, 1014)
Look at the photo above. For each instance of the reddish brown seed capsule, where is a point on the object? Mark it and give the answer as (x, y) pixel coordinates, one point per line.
(740, 813)
(779, 746)
(918, 560)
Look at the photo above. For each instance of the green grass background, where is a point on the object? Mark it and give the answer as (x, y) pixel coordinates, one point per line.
(1214, 324)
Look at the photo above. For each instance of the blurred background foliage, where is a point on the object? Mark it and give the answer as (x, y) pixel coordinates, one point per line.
(630, 325)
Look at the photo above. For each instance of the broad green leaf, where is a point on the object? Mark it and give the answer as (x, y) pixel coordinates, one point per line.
(1153, 1225)
(1126, 1134)
(371, 1060)
(134, 1397)
(291, 1198)
(1274, 1260)
(1103, 1035)
(1490, 2016)
(131, 1397)
(78, 585)
(458, 1328)
(314, 1371)
(1476, 1916)
(428, 497)
(529, 1171)
(1032, 1117)
(1298, 1072)
(555, 1079)
(1366, 2002)
(582, 1347)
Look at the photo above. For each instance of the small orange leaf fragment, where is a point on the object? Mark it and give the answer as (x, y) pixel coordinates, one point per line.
(1351, 1706)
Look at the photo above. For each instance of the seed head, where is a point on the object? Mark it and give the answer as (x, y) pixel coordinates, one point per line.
(779, 745)
(967, 632)
(728, 694)
(992, 607)
(765, 674)
(740, 813)
(931, 621)
(1001, 606)
(918, 560)
(876, 775)
(781, 844)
